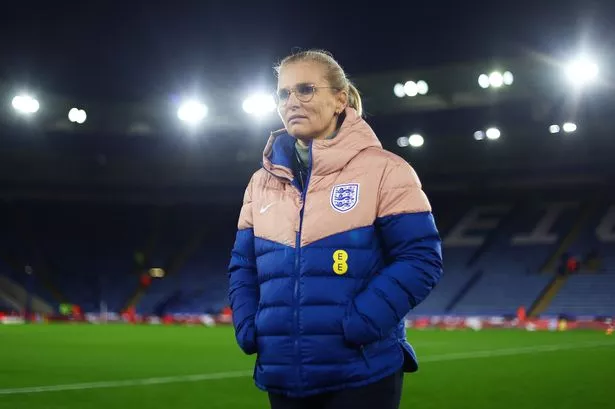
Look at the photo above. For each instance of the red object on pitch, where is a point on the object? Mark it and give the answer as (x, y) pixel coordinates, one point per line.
(76, 310)
(146, 280)
(521, 314)
(572, 265)
(130, 315)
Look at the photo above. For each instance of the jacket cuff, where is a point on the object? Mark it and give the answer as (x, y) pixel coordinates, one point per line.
(246, 339)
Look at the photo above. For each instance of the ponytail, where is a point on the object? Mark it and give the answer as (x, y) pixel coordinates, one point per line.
(354, 99)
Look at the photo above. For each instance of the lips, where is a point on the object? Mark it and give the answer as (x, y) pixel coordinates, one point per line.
(296, 117)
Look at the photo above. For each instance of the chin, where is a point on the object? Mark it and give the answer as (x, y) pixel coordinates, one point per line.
(299, 132)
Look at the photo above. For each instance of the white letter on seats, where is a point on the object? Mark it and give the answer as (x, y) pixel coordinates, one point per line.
(540, 234)
(475, 219)
(606, 229)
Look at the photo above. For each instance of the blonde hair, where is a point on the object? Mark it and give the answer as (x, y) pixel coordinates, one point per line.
(334, 73)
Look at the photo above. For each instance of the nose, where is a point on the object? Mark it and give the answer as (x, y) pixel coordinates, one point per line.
(292, 101)
(292, 104)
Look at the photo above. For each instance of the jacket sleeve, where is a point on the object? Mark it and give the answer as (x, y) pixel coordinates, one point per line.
(243, 284)
(412, 251)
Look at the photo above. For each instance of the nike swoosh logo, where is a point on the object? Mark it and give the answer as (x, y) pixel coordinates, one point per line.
(265, 208)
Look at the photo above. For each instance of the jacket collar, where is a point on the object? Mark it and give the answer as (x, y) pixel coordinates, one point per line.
(328, 155)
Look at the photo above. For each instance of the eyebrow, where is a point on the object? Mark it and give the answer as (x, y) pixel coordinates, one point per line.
(297, 85)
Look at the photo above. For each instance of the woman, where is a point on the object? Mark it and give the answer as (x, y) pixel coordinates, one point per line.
(336, 243)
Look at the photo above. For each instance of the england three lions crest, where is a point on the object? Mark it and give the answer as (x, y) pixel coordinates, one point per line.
(345, 197)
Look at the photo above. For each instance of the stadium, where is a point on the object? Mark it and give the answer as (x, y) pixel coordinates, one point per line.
(119, 214)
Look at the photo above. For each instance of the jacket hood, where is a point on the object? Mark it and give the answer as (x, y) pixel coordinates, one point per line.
(328, 155)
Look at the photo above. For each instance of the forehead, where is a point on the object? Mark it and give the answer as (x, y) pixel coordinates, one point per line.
(301, 72)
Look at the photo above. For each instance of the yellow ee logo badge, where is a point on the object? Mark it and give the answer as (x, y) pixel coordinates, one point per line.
(340, 257)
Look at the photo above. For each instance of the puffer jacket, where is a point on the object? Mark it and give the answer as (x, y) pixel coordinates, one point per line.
(322, 278)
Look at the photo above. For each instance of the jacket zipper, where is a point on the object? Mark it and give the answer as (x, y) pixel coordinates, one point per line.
(297, 275)
(302, 188)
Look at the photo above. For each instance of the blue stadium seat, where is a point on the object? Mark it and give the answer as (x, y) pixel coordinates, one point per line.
(88, 254)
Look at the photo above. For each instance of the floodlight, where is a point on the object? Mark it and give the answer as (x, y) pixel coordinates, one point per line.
(493, 133)
(416, 140)
(192, 111)
(25, 104)
(259, 104)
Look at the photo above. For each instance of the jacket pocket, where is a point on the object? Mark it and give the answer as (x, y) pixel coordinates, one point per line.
(356, 330)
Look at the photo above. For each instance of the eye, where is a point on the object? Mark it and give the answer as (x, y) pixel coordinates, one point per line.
(305, 89)
(283, 94)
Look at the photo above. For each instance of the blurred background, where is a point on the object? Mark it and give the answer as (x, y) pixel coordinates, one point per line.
(130, 130)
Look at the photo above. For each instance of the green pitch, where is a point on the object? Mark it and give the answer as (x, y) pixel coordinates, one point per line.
(152, 367)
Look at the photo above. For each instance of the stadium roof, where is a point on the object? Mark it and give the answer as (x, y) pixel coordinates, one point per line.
(129, 67)
(127, 51)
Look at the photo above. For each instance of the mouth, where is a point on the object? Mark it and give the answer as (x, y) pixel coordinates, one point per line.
(295, 118)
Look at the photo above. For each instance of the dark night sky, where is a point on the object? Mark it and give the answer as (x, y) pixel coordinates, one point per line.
(135, 49)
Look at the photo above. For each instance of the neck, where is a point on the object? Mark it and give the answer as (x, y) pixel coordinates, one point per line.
(323, 135)
(329, 131)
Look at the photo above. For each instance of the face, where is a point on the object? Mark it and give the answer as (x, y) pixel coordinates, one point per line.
(315, 119)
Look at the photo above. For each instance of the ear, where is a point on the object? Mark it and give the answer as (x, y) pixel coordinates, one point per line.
(341, 101)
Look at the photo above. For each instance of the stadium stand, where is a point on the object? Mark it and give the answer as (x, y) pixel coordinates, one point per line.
(14, 259)
(589, 291)
(88, 250)
(194, 251)
(89, 254)
(8, 309)
(585, 294)
(7, 305)
(495, 255)
(510, 266)
(19, 298)
(455, 277)
(496, 273)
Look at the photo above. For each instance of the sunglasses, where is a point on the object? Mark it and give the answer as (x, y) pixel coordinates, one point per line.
(303, 92)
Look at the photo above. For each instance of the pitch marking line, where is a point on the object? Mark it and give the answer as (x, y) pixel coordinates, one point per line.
(129, 382)
(241, 374)
(513, 351)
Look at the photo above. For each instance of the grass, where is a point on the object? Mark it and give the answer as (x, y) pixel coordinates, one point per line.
(503, 369)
